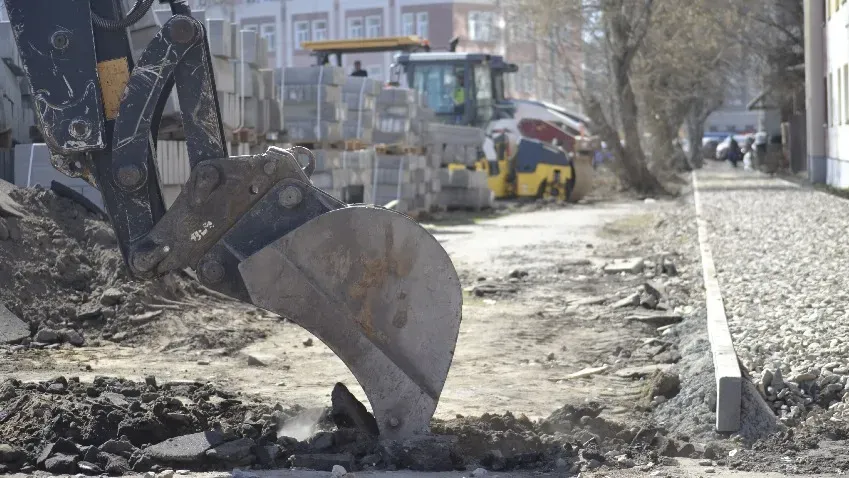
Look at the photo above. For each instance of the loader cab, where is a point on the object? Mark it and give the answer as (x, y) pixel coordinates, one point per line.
(504, 108)
(456, 86)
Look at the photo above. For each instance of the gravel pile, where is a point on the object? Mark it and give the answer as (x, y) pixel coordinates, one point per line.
(781, 251)
(63, 276)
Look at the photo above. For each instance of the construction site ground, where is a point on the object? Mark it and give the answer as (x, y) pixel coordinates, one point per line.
(587, 319)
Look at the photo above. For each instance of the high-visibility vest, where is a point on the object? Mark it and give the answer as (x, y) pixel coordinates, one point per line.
(459, 96)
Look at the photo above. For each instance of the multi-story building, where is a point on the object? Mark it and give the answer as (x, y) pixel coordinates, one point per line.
(827, 91)
(480, 25)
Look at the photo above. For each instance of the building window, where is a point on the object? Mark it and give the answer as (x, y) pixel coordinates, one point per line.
(319, 30)
(373, 26)
(408, 24)
(839, 97)
(250, 28)
(269, 31)
(375, 72)
(480, 26)
(302, 33)
(355, 27)
(422, 24)
(830, 101)
(846, 93)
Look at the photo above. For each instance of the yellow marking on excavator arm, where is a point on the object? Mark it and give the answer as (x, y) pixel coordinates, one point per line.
(114, 75)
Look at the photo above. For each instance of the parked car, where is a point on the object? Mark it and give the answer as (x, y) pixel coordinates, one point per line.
(709, 147)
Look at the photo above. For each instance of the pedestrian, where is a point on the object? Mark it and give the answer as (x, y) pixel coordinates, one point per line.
(733, 152)
(358, 69)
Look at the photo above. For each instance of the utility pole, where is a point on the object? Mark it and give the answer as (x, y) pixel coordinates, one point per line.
(815, 94)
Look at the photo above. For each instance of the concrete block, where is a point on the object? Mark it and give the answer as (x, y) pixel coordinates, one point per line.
(355, 101)
(309, 131)
(244, 71)
(363, 118)
(225, 74)
(314, 75)
(334, 112)
(359, 85)
(220, 37)
(270, 89)
(293, 94)
(392, 124)
(351, 132)
(322, 179)
(248, 47)
(452, 134)
(275, 115)
(396, 96)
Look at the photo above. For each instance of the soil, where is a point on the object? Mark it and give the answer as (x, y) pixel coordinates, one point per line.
(540, 378)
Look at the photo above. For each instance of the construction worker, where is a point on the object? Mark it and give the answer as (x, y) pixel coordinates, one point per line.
(358, 69)
(459, 98)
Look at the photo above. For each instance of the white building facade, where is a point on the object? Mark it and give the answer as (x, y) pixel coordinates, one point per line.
(827, 90)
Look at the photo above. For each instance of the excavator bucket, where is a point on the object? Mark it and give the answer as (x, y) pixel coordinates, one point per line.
(378, 290)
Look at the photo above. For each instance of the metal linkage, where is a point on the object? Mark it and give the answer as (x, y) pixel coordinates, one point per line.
(57, 54)
(219, 195)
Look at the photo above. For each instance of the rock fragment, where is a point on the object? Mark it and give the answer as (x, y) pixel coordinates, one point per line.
(633, 265)
(184, 449)
(12, 329)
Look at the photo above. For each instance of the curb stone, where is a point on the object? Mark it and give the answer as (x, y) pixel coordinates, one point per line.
(729, 382)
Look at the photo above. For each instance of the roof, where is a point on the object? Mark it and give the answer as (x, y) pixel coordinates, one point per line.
(364, 45)
(443, 56)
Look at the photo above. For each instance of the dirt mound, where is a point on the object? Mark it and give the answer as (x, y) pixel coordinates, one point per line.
(63, 274)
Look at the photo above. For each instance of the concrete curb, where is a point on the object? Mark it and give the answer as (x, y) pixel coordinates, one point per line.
(729, 381)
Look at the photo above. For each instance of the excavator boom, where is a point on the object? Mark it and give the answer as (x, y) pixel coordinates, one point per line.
(372, 284)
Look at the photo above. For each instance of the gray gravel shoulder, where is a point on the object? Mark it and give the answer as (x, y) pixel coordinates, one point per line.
(781, 251)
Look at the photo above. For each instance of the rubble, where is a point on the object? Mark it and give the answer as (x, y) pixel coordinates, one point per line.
(65, 280)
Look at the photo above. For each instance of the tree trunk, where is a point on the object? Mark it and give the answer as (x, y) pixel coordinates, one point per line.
(637, 175)
(695, 133)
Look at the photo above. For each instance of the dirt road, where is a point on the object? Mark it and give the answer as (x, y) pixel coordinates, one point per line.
(514, 349)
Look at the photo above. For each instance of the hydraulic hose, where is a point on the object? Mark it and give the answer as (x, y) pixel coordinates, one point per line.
(138, 11)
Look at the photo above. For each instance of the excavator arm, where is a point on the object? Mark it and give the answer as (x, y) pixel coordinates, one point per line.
(372, 284)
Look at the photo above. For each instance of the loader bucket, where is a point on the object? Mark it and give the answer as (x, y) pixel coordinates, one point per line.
(380, 292)
(583, 165)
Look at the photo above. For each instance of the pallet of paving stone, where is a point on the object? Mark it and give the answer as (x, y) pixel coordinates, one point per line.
(399, 149)
(313, 111)
(343, 145)
(360, 99)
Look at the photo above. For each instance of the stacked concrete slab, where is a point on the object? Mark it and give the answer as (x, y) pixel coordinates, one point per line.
(314, 110)
(464, 189)
(344, 175)
(455, 144)
(360, 97)
(396, 108)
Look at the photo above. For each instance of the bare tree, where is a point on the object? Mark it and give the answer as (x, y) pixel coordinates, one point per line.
(682, 74)
(617, 28)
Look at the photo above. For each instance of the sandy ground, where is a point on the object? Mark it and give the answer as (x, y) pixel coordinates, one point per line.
(503, 353)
